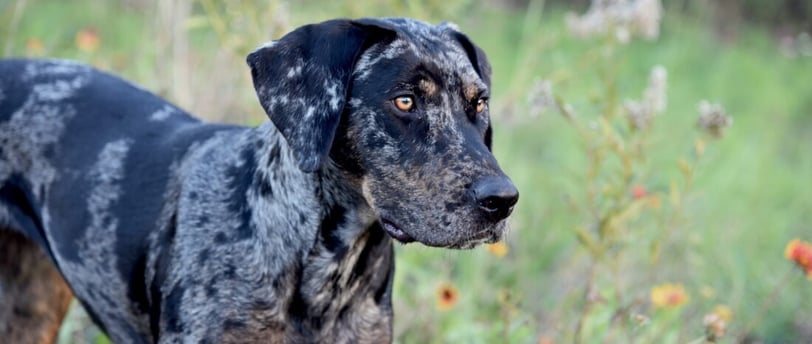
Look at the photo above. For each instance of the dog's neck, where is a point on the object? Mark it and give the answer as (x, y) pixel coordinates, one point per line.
(349, 235)
(328, 203)
(349, 261)
(348, 272)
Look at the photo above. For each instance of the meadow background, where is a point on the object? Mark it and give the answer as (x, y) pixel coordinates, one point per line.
(638, 222)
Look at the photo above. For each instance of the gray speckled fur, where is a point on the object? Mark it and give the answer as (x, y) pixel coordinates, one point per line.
(172, 230)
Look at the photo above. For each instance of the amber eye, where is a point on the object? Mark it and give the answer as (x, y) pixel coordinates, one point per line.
(481, 104)
(404, 103)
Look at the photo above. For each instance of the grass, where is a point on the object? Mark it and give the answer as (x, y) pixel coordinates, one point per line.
(749, 194)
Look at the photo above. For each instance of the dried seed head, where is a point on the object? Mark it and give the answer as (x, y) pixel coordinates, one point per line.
(713, 119)
(540, 98)
(640, 113)
(655, 93)
(621, 18)
(715, 327)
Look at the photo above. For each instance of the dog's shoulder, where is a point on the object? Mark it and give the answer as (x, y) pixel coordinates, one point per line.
(79, 92)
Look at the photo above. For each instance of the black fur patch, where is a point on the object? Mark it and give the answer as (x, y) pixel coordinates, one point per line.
(327, 230)
(241, 179)
(172, 309)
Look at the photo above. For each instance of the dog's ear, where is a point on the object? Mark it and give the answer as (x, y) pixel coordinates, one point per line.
(302, 82)
(480, 62)
(475, 54)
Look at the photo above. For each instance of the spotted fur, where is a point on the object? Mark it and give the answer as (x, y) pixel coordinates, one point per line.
(170, 230)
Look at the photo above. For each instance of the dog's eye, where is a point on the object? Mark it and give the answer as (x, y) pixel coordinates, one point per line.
(404, 103)
(481, 104)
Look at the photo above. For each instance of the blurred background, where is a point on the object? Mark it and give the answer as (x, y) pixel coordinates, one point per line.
(663, 151)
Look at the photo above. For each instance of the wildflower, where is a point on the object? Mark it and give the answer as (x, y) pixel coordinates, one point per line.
(647, 17)
(498, 249)
(640, 113)
(800, 252)
(623, 35)
(447, 296)
(655, 93)
(622, 18)
(669, 295)
(34, 47)
(715, 327)
(540, 98)
(713, 119)
(87, 40)
(639, 191)
(716, 323)
(545, 340)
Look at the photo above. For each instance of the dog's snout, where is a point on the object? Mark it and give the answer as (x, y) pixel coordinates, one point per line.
(495, 196)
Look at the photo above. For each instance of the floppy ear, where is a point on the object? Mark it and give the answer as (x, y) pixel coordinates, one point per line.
(475, 55)
(302, 82)
(481, 65)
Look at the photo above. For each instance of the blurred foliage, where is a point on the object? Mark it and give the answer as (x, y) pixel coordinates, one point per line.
(730, 14)
(622, 234)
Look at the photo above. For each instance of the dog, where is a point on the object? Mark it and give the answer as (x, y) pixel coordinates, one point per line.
(168, 229)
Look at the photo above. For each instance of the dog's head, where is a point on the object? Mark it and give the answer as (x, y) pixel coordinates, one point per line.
(403, 105)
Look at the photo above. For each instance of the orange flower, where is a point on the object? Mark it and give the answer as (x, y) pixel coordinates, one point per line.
(499, 249)
(545, 340)
(669, 295)
(87, 40)
(639, 191)
(447, 296)
(800, 252)
(34, 46)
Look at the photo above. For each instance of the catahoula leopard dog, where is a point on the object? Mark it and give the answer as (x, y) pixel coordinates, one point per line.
(168, 229)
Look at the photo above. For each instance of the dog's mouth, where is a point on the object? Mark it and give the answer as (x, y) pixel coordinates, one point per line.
(482, 237)
(395, 232)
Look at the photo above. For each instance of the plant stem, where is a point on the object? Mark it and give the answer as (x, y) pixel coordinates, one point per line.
(668, 223)
(589, 290)
(764, 306)
(14, 23)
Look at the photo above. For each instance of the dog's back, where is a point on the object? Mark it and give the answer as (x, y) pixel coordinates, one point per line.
(71, 138)
(63, 128)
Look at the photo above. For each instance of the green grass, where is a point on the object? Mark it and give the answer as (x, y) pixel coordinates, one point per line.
(749, 199)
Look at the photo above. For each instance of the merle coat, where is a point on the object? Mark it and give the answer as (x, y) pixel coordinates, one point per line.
(169, 229)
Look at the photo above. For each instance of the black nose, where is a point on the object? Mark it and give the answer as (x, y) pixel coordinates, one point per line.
(495, 196)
